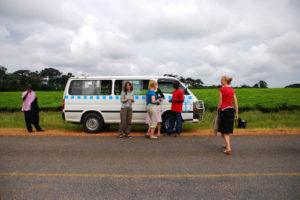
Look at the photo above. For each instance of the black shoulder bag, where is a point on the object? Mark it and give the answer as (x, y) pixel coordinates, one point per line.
(240, 123)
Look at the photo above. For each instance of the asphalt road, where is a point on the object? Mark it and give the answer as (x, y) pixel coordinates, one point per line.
(58, 167)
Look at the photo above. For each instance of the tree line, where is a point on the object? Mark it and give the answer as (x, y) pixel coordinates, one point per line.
(198, 83)
(48, 79)
(51, 79)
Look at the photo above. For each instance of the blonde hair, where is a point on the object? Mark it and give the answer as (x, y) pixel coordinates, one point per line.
(227, 79)
(152, 84)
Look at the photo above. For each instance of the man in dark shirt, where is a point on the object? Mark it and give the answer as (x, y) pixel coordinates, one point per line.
(176, 109)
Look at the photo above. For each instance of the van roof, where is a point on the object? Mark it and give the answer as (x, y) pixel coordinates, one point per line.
(122, 77)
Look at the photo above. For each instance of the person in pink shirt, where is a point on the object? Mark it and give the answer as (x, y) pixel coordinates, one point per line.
(30, 113)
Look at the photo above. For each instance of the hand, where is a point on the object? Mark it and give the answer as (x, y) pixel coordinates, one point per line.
(236, 116)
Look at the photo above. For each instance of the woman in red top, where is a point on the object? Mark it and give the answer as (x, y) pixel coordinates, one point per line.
(227, 113)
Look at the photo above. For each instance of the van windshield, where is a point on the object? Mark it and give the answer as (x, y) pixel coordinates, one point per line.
(139, 86)
(166, 86)
(90, 87)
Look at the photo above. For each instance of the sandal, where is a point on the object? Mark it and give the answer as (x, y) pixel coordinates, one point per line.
(228, 152)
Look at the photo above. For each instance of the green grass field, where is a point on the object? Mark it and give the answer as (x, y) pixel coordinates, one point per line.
(265, 100)
(256, 119)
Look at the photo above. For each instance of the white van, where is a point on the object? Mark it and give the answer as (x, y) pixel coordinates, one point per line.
(95, 101)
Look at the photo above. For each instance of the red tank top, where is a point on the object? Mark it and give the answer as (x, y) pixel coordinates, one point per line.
(227, 96)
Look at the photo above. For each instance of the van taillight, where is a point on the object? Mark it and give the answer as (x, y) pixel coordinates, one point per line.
(63, 104)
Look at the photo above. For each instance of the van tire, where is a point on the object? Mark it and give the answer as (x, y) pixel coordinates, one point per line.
(165, 122)
(92, 123)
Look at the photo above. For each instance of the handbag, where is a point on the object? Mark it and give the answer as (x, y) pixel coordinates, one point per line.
(216, 124)
(241, 123)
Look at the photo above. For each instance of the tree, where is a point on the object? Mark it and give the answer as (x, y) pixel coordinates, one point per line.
(23, 78)
(295, 85)
(171, 75)
(51, 79)
(12, 82)
(245, 86)
(35, 80)
(189, 82)
(261, 84)
(2, 77)
(64, 80)
(198, 83)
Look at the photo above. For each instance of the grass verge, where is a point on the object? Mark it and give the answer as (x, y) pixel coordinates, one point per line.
(256, 120)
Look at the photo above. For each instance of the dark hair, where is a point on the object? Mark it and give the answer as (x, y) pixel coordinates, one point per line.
(176, 84)
(125, 87)
(28, 86)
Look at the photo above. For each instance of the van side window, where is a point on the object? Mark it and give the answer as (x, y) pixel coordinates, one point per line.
(166, 86)
(90, 87)
(139, 86)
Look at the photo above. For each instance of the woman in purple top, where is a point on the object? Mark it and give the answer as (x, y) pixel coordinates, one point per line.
(30, 109)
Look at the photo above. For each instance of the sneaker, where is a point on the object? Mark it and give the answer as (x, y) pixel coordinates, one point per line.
(30, 131)
(153, 137)
(120, 136)
(40, 130)
(128, 136)
(147, 135)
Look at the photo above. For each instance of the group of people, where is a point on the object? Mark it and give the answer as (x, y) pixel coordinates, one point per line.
(226, 111)
(154, 97)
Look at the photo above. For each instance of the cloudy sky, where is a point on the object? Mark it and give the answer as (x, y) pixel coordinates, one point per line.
(248, 40)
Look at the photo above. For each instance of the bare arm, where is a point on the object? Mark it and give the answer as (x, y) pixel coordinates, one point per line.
(220, 101)
(236, 105)
(153, 100)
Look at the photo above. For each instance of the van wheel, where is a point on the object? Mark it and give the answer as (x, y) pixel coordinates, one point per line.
(92, 123)
(165, 123)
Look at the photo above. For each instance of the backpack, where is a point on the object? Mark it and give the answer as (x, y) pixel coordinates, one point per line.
(241, 123)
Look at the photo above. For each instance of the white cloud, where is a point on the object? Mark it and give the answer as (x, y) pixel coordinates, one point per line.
(249, 40)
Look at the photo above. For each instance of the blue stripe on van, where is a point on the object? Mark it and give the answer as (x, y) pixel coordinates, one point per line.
(85, 97)
(190, 97)
(143, 97)
(66, 97)
(98, 97)
(117, 97)
(136, 97)
(91, 97)
(72, 97)
(104, 97)
(78, 97)
(110, 97)
(169, 97)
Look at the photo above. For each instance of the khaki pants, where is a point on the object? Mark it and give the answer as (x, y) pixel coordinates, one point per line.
(126, 117)
(152, 111)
